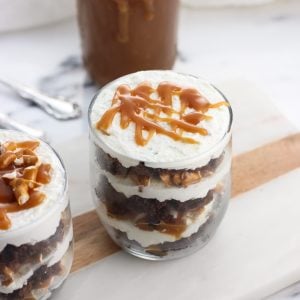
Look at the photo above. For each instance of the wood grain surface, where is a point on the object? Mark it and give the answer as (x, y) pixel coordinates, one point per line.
(92, 243)
(249, 170)
(254, 168)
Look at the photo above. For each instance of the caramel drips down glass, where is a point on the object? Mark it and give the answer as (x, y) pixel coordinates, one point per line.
(125, 36)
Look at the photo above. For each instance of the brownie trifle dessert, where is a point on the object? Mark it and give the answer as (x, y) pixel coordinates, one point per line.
(160, 162)
(36, 248)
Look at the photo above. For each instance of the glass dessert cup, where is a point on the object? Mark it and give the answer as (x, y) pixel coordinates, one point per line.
(36, 248)
(124, 36)
(162, 209)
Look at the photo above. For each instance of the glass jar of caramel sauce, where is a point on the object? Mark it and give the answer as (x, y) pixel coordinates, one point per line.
(124, 36)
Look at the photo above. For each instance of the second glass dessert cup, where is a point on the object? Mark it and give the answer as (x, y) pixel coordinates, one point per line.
(36, 233)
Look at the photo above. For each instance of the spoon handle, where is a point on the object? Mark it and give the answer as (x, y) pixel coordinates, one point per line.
(8, 123)
(56, 107)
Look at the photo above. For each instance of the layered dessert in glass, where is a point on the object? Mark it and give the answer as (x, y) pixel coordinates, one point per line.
(160, 162)
(124, 36)
(36, 235)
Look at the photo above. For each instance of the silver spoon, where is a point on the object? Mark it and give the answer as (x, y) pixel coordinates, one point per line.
(58, 107)
(8, 123)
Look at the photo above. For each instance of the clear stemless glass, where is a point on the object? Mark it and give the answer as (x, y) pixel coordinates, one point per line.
(178, 209)
(36, 238)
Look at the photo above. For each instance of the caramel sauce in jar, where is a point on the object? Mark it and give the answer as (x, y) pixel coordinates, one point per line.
(124, 36)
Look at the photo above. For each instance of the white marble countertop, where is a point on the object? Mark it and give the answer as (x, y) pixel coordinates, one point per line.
(257, 44)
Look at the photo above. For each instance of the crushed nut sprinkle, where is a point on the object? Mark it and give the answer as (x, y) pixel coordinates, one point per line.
(21, 176)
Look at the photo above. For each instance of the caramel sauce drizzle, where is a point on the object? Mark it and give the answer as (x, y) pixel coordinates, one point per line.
(123, 21)
(176, 229)
(137, 106)
(149, 9)
(171, 229)
(123, 7)
(20, 175)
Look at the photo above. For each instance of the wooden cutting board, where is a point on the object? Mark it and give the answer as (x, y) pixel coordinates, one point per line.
(266, 158)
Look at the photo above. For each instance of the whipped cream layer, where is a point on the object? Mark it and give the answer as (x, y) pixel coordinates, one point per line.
(162, 151)
(38, 223)
(148, 238)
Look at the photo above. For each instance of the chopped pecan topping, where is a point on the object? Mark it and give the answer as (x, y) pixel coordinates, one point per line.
(143, 175)
(190, 177)
(176, 179)
(8, 274)
(140, 180)
(166, 178)
(180, 178)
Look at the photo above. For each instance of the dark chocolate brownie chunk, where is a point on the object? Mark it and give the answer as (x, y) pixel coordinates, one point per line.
(150, 212)
(198, 239)
(142, 174)
(12, 257)
(40, 279)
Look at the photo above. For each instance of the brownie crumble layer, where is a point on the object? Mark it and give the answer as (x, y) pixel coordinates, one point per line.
(143, 175)
(150, 214)
(166, 248)
(163, 249)
(12, 258)
(41, 279)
